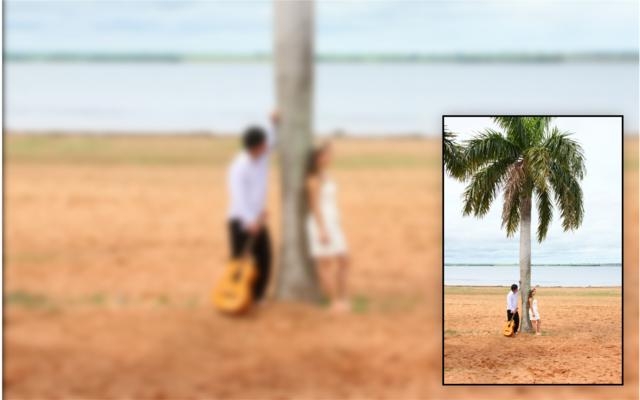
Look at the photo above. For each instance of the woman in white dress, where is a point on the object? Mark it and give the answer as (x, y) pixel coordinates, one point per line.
(534, 315)
(326, 240)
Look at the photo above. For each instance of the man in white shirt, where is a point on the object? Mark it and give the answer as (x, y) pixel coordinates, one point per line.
(512, 308)
(247, 182)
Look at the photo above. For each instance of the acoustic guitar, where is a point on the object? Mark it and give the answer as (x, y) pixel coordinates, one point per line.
(233, 292)
(508, 328)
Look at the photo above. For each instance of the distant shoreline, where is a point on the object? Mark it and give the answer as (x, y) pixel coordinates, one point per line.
(70, 57)
(336, 134)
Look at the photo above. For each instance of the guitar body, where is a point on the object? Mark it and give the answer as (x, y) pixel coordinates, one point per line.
(508, 328)
(233, 293)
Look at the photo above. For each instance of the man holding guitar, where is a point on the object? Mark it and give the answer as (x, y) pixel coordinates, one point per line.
(512, 308)
(247, 183)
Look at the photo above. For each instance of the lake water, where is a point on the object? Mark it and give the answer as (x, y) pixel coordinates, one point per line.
(369, 98)
(571, 276)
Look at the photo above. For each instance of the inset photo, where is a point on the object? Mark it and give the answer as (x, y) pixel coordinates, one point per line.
(532, 250)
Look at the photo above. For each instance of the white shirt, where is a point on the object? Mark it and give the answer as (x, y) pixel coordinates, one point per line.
(247, 181)
(512, 301)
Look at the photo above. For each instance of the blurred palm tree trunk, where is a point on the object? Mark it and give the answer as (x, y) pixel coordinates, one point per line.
(294, 31)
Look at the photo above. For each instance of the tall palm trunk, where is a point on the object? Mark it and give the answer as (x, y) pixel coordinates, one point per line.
(525, 259)
(294, 80)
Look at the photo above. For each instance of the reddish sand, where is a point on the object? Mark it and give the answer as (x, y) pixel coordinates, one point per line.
(581, 339)
(111, 250)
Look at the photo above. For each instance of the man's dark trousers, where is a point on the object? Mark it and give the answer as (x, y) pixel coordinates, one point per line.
(260, 251)
(516, 320)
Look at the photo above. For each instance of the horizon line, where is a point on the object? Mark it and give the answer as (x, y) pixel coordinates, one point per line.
(334, 133)
(107, 56)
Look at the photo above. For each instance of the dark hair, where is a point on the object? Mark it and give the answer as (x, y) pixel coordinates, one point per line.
(311, 168)
(312, 160)
(253, 137)
(530, 294)
(514, 286)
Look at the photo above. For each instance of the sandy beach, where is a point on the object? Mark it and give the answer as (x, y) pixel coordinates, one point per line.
(112, 244)
(581, 339)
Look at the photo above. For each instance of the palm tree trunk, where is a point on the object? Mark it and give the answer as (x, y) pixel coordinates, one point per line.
(294, 51)
(525, 260)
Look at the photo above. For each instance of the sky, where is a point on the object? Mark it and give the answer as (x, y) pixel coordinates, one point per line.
(598, 240)
(376, 26)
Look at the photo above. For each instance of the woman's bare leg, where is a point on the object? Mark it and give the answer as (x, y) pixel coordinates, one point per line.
(324, 267)
(538, 327)
(342, 273)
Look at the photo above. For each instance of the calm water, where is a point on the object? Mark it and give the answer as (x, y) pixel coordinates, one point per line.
(359, 98)
(610, 275)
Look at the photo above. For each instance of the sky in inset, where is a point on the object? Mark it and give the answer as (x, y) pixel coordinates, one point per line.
(482, 240)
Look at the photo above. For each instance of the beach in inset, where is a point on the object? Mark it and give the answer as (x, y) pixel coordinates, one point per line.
(581, 340)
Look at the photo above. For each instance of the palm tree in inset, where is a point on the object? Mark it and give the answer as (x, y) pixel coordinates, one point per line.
(528, 158)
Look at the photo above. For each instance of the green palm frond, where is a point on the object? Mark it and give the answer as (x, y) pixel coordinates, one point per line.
(514, 128)
(566, 169)
(488, 146)
(484, 185)
(568, 201)
(524, 131)
(453, 156)
(545, 213)
(538, 161)
(568, 196)
(536, 128)
(566, 151)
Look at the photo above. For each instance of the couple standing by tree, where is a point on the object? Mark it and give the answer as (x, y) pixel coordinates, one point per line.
(247, 216)
(532, 305)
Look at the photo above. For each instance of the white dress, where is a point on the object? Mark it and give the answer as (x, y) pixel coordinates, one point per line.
(533, 311)
(327, 202)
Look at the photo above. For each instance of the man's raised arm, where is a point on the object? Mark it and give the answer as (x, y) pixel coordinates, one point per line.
(271, 130)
